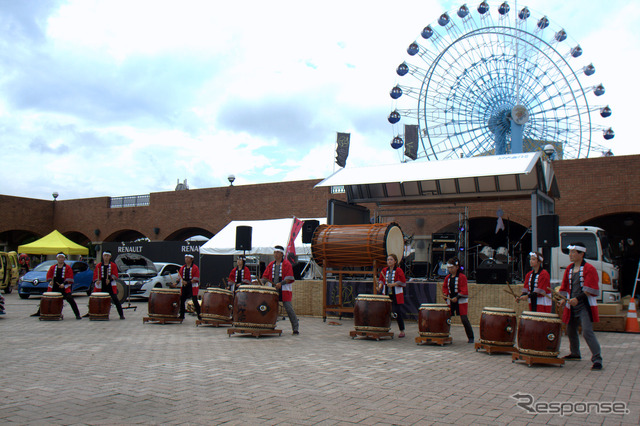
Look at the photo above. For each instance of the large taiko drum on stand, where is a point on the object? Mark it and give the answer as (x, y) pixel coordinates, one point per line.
(164, 303)
(217, 304)
(255, 306)
(498, 326)
(372, 313)
(99, 306)
(434, 320)
(539, 334)
(51, 305)
(356, 245)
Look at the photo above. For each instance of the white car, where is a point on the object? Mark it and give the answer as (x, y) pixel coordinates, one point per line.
(142, 275)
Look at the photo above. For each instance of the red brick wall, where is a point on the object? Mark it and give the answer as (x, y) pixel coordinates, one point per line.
(588, 188)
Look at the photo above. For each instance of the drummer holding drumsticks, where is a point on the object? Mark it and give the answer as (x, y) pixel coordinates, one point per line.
(104, 280)
(189, 282)
(456, 293)
(537, 286)
(239, 275)
(580, 289)
(392, 282)
(279, 273)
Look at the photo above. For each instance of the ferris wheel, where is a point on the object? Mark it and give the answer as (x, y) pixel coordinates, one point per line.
(491, 80)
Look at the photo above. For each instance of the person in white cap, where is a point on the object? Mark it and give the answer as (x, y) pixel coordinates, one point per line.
(189, 284)
(580, 286)
(60, 278)
(280, 273)
(104, 280)
(537, 285)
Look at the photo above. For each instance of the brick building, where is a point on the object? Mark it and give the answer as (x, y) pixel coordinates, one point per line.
(599, 191)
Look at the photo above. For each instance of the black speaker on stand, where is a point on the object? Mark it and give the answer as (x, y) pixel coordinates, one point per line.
(547, 229)
(308, 228)
(243, 237)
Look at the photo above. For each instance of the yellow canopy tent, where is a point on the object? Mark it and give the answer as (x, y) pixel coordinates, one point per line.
(53, 243)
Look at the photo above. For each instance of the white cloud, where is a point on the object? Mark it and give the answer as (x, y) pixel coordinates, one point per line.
(123, 97)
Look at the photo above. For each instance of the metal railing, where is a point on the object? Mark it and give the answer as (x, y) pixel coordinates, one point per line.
(129, 201)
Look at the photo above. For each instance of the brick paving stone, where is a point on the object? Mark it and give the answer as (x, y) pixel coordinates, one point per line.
(127, 372)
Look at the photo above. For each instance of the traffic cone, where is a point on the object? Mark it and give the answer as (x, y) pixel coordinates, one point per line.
(632, 318)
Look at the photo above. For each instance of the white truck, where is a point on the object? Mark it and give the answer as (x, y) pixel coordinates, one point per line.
(598, 254)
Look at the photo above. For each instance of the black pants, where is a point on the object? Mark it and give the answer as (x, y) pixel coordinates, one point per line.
(467, 326)
(185, 293)
(397, 309)
(455, 309)
(114, 298)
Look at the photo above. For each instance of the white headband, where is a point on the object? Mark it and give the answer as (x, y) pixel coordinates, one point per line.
(107, 252)
(189, 255)
(578, 248)
(277, 249)
(536, 255)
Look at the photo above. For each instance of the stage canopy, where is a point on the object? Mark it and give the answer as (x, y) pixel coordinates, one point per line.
(503, 176)
(53, 243)
(264, 236)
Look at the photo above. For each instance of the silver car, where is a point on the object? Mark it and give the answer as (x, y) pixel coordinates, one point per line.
(141, 275)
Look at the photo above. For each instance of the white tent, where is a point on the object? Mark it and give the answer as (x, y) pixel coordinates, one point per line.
(264, 236)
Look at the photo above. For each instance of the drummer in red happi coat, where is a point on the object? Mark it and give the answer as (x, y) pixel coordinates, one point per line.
(189, 283)
(537, 285)
(104, 280)
(456, 293)
(60, 278)
(392, 283)
(239, 275)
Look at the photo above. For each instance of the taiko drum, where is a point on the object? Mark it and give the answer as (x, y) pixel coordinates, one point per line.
(164, 303)
(434, 320)
(498, 326)
(539, 334)
(51, 305)
(356, 245)
(372, 312)
(99, 306)
(217, 304)
(255, 306)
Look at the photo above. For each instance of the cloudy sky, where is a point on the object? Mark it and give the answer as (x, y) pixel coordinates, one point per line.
(124, 97)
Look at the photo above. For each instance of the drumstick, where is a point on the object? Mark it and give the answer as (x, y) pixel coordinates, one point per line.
(508, 292)
(511, 291)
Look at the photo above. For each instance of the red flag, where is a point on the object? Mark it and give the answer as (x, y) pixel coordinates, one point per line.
(296, 226)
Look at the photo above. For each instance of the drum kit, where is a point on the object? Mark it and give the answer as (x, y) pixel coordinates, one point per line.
(499, 255)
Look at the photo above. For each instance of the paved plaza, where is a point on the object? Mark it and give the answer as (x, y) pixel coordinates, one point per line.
(126, 372)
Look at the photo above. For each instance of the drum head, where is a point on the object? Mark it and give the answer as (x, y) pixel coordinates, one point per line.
(52, 294)
(502, 255)
(488, 309)
(219, 291)
(540, 314)
(394, 242)
(99, 294)
(374, 297)
(123, 291)
(434, 306)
